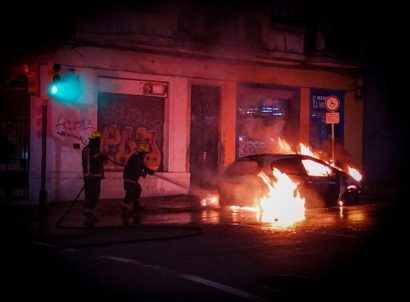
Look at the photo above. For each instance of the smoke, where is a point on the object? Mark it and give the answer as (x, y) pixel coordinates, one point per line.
(259, 137)
(266, 115)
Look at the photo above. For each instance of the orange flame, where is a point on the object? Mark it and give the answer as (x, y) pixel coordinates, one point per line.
(210, 200)
(284, 147)
(282, 205)
(314, 168)
(354, 173)
(305, 150)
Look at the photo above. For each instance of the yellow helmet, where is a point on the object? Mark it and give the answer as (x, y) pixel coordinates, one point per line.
(95, 134)
(143, 148)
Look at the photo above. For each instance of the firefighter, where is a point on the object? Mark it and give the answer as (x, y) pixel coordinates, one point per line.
(134, 169)
(93, 172)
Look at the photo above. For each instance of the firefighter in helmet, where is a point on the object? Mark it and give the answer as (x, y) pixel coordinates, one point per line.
(134, 169)
(93, 172)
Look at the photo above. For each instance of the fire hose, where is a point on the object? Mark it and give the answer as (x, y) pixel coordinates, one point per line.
(158, 176)
(171, 181)
(71, 206)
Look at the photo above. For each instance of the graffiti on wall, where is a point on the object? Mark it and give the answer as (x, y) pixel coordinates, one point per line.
(119, 144)
(78, 130)
(126, 119)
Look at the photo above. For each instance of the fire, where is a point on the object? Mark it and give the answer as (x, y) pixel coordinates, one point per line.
(305, 150)
(311, 168)
(282, 205)
(354, 173)
(316, 169)
(210, 200)
(284, 146)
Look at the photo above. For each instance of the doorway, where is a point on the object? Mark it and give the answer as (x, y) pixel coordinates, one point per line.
(204, 137)
(15, 145)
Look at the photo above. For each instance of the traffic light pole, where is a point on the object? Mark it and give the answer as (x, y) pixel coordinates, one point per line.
(43, 190)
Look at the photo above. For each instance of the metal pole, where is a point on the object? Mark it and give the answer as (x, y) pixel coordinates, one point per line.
(333, 143)
(43, 190)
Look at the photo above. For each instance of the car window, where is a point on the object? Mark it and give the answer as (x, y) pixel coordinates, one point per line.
(242, 168)
(290, 166)
(314, 168)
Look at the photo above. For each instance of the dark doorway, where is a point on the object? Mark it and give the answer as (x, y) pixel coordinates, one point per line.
(14, 136)
(204, 135)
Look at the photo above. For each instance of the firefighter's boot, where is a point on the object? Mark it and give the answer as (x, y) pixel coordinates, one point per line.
(138, 207)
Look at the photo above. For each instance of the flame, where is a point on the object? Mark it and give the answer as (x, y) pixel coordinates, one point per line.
(316, 169)
(305, 150)
(282, 205)
(210, 200)
(239, 208)
(284, 147)
(354, 173)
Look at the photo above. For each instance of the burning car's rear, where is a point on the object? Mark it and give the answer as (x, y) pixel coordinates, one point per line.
(350, 186)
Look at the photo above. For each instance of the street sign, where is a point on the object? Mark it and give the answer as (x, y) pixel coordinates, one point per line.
(332, 103)
(332, 117)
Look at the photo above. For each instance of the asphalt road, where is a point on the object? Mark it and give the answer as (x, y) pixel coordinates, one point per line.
(213, 255)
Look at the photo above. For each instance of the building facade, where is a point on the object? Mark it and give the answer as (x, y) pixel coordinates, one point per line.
(203, 84)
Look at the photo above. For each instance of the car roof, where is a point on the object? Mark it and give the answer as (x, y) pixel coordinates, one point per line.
(269, 157)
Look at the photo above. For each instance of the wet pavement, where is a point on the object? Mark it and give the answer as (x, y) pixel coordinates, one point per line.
(170, 217)
(181, 248)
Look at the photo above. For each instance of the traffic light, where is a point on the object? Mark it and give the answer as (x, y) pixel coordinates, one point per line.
(33, 78)
(54, 78)
(63, 86)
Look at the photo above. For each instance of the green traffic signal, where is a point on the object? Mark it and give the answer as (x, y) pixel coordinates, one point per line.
(54, 89)
(67, 89)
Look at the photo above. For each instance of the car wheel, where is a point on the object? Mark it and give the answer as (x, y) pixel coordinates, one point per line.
(352, 197)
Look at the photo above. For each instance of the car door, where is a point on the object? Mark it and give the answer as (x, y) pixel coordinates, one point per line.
(321, 183)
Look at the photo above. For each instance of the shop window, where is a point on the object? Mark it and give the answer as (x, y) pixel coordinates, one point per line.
(266, 114)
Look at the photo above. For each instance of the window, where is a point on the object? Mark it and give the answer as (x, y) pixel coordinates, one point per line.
(265, 114)
(290, 166)
(314, 168)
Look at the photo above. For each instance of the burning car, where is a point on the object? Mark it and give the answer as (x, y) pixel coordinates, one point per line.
(319, 183)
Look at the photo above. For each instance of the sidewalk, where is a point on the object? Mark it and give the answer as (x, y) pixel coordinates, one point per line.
(62, 226)
(110, 209)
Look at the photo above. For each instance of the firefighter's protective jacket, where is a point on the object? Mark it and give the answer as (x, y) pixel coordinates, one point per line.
(136, 168)
(93, 164)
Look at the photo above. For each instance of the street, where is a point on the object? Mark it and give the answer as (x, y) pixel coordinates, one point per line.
(215, 255)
